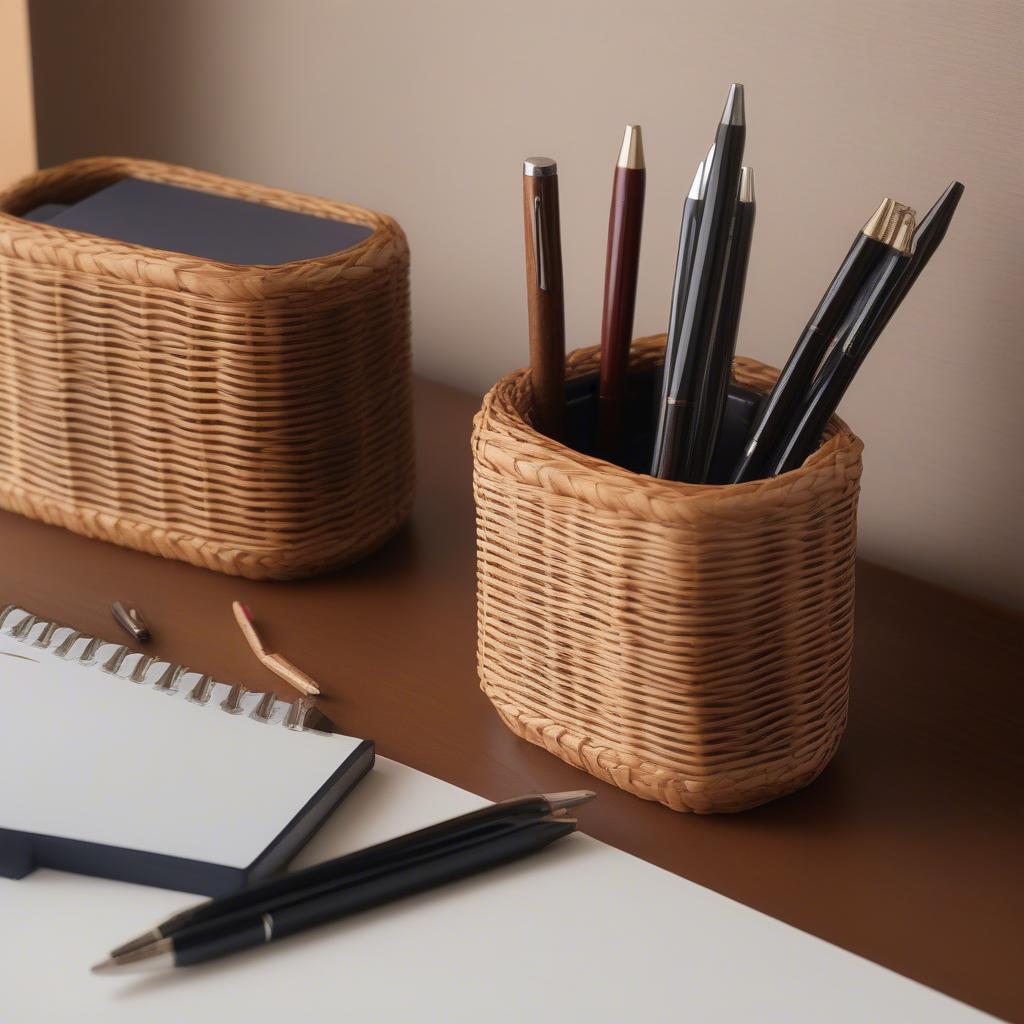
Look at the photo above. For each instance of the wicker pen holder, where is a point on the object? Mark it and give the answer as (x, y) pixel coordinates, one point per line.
(255, 420)
(690, 644)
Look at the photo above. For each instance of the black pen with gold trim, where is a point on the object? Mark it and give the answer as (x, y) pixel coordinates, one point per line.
(868, 250)
(862, 326)
(280, 907)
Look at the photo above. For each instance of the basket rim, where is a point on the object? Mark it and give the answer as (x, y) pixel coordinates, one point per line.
(538, 461)
(69, 250)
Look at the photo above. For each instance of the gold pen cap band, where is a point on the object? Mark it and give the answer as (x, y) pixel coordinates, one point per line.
(631, 155)
(539, 166)
(892, 224)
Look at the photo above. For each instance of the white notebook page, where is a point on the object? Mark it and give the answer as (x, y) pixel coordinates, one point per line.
(92, 756)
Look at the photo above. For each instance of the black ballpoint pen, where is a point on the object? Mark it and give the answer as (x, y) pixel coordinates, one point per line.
(845, 359)
(717, 364)
(927, 238)
(868, 249)
(693, 205)
(675, 455)
(285, 889)
(858, 333)
(256, 926)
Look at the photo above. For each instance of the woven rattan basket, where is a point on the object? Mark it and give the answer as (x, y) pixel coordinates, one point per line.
(252, 419)
(690, 644)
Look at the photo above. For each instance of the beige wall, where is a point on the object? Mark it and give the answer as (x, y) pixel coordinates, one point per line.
(426, 109)
(17, 124)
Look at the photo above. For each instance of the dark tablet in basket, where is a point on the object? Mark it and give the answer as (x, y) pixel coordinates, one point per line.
(200, 224)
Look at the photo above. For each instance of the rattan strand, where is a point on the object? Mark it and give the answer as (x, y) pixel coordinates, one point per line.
(254, 420)
(690, 644)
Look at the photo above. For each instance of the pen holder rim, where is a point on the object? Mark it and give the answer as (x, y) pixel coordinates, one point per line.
(621, 620)
(507, 405)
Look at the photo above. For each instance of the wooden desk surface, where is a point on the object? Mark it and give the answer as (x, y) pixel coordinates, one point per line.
(908, 850)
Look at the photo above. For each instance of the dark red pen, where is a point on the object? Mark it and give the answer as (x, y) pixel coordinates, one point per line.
(624, 225)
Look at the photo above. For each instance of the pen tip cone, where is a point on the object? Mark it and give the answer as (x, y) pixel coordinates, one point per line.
(734, 112)
(104, 966)
(698, 180)
(563, 801)
(746, 184)
(631, 155)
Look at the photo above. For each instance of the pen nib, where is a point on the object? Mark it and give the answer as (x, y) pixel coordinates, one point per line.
(734, 112)
(153, 956)
(562, 801)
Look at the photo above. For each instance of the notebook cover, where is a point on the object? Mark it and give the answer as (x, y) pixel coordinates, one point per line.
(23, 850)
(213, 227)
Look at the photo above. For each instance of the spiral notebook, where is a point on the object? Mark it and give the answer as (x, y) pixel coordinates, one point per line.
(120, 764)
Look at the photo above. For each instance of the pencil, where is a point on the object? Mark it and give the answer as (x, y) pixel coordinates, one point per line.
(625, 221)
(545, 299)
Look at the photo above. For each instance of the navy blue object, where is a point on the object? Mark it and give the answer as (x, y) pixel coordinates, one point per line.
(23, 852)
(201, 224)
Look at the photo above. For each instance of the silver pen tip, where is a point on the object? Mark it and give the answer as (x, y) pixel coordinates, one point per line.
(143, 940)
(154, 956)
(734, 113)
(746, 184)
(706, 173)
(698, 181)
(573, 798)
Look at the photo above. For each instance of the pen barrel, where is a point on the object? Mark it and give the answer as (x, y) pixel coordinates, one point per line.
(704, 291)
(545, 300)
(863, 258)
(861, 327)
(232, 934)
(813, 417)
(625, 223)
(718, 360)
(664, 454)
(278, 892)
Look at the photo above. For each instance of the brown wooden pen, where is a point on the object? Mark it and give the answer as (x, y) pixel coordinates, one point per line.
(544, 293)
(623, 261)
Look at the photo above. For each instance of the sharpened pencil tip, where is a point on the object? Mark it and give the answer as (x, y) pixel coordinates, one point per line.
(631, 155)
(734, 112)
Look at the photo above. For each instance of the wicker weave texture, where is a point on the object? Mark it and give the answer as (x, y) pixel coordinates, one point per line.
(253, 420)
(690, 644)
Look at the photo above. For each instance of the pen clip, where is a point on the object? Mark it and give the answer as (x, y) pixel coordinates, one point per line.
(539, 247)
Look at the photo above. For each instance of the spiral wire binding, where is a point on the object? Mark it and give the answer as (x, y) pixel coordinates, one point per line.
(20, 625)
